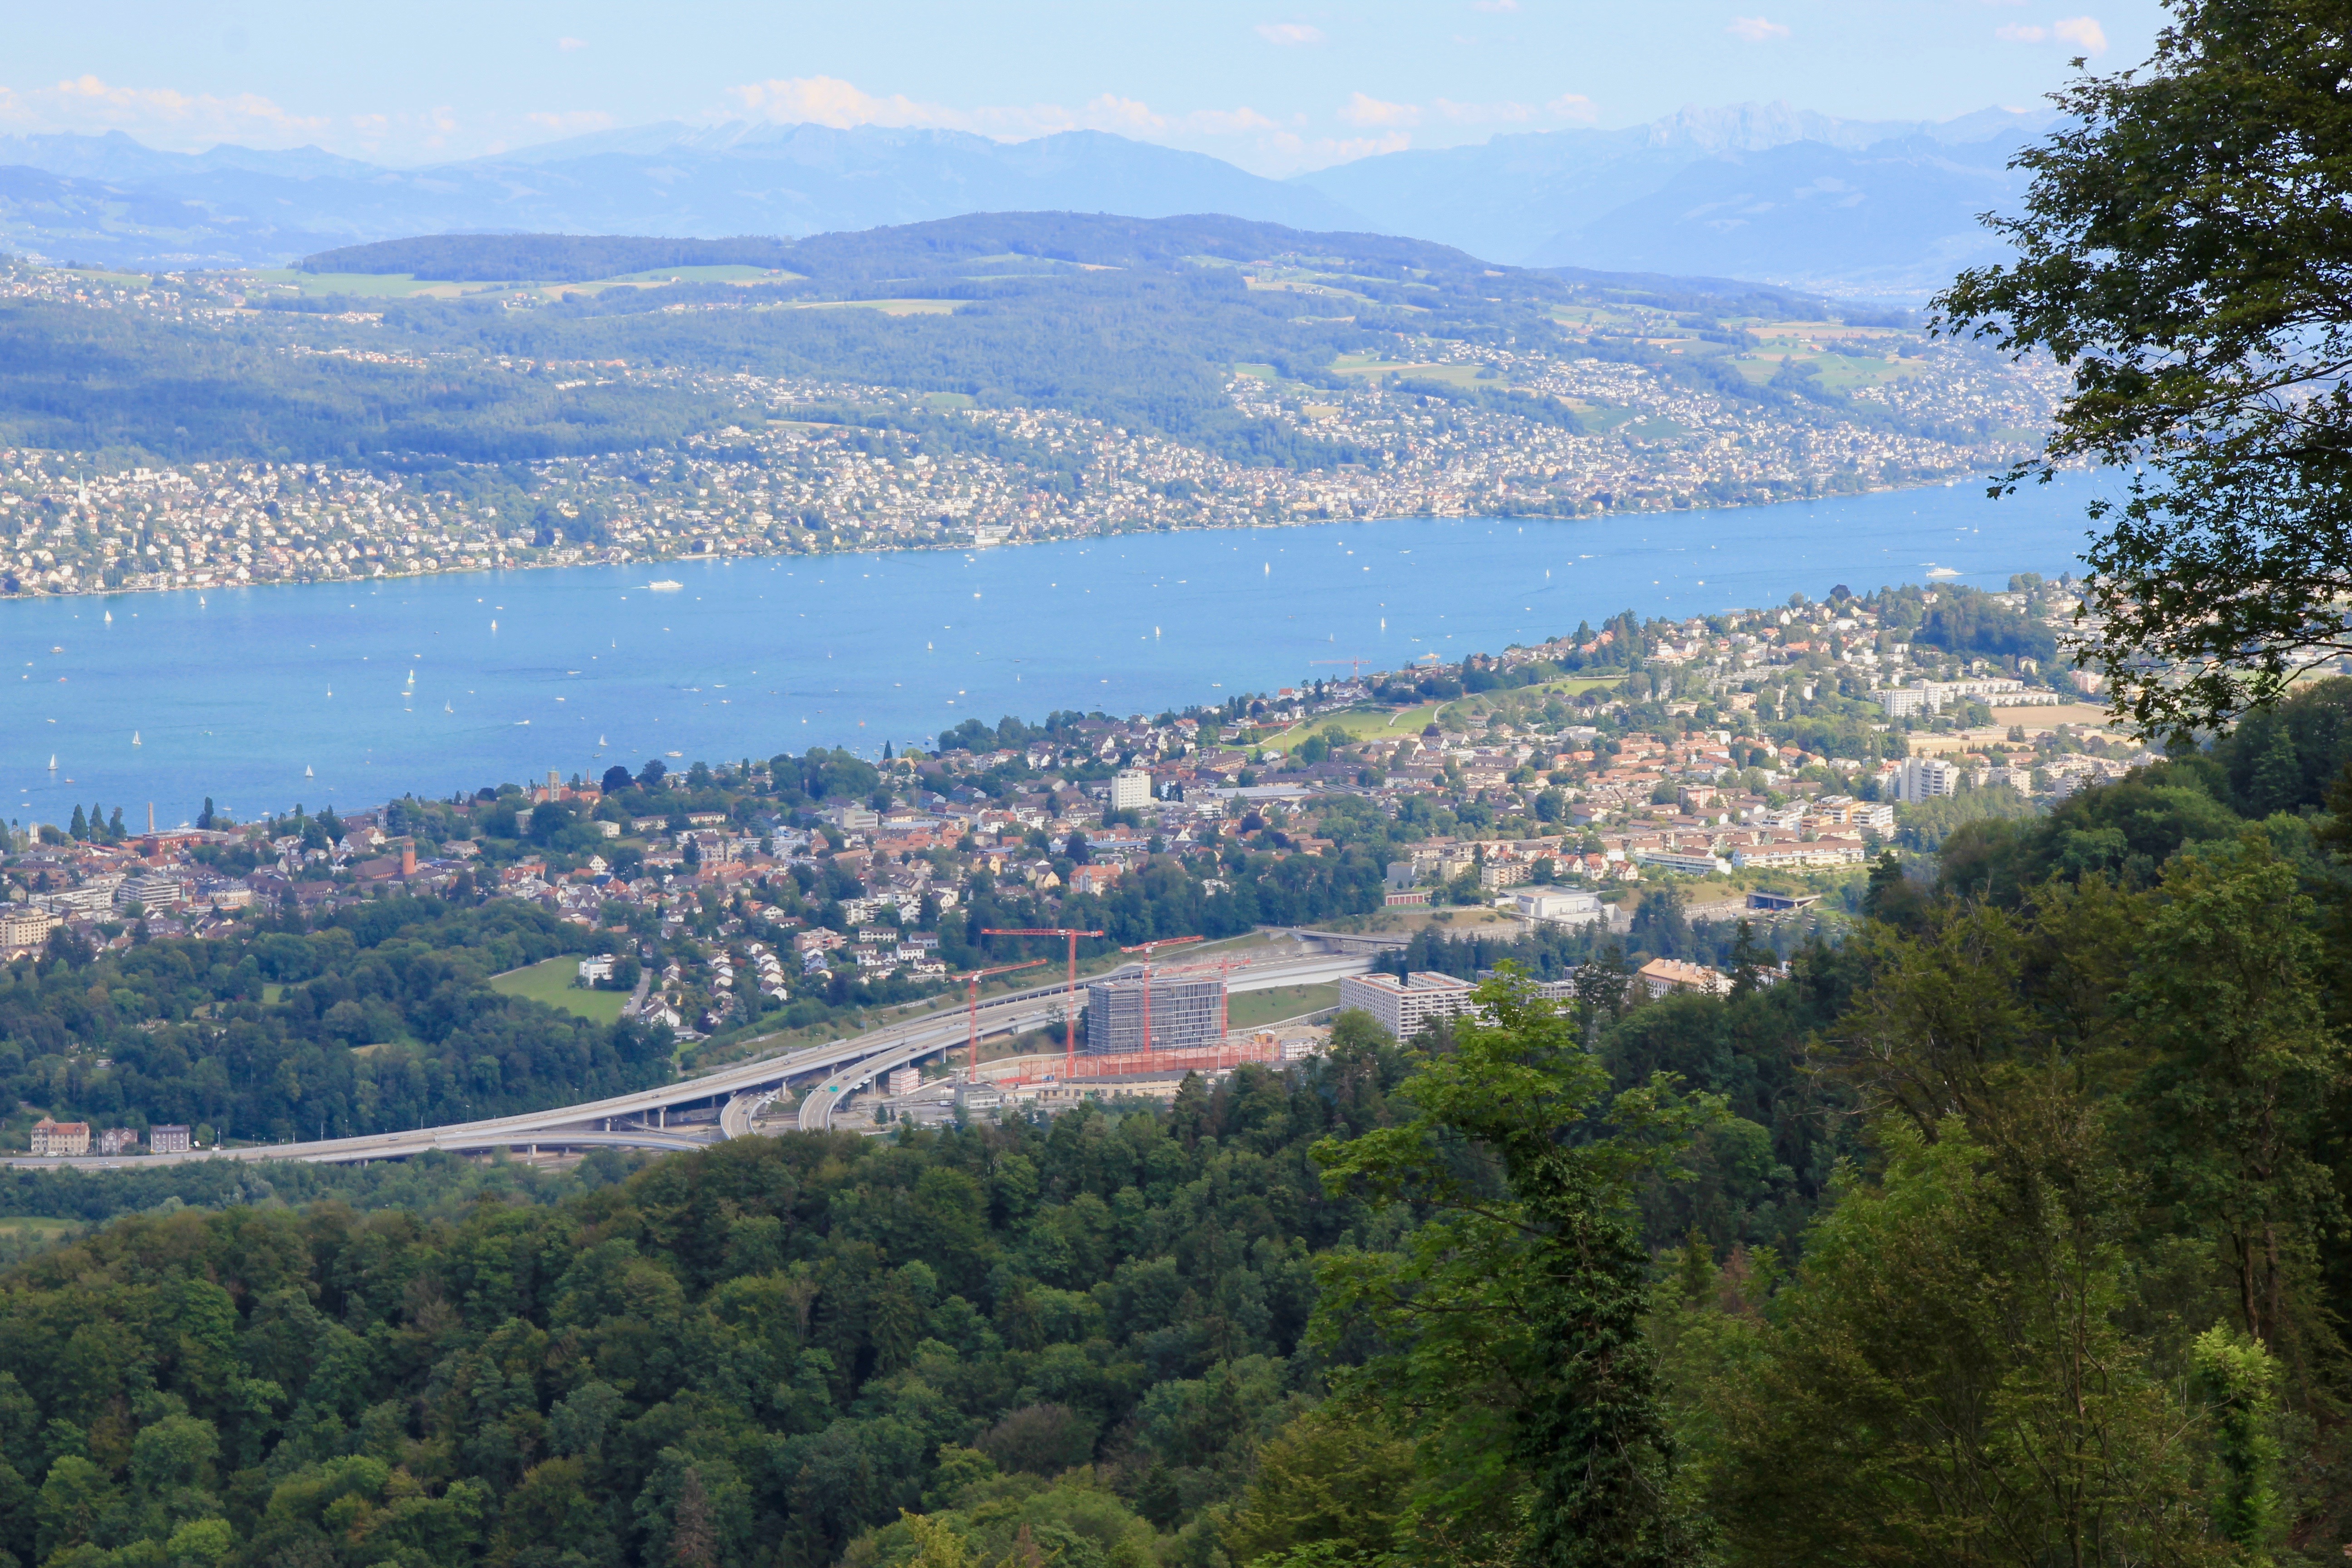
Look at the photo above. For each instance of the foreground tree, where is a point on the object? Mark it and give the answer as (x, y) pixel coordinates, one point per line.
(2185, 248)
(1505, 1333)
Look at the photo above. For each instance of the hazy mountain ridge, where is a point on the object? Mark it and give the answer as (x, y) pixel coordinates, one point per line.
(1762, 191)
(672, 181)
(1600, 198)
(1898, 218)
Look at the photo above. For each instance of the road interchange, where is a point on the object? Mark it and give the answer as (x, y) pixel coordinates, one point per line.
(842, 1067)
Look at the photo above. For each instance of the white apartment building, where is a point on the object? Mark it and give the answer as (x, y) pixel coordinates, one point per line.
(24, 926)
(1690, 863)
(1402, 1007)
(1131, 790)
(1923, 778)
(1934, 696)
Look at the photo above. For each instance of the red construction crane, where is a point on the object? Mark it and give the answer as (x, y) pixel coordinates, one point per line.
(1224, 967)
(1148, 949)
(973, 1001)
(1070, 1012)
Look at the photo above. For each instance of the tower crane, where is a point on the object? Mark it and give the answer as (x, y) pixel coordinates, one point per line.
(1070, 1014)
(1148, 949)
(971, 1000)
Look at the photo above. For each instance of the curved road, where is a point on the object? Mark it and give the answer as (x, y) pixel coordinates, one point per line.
(623, 1120)
(1315, 969)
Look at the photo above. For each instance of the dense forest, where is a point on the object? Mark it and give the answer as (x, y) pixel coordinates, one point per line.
(377, 1019)
(2033, 1173)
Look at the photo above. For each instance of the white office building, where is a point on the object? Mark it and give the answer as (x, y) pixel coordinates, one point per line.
(1565, 905)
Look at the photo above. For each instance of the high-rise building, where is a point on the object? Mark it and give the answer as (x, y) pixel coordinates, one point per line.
(1925, 778)
(1131, 790)
(1187, 1014)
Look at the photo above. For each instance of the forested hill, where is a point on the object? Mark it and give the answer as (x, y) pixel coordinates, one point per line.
(562, 257)
(991, 245)
(561, 344)
(2045, 1161)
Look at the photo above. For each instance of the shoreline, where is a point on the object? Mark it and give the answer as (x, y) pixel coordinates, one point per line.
(33, 591)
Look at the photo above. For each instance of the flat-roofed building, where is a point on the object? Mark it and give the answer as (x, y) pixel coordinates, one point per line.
(1402, 1007)
(1131, 790)
(167, 1138)
(24, 926)
(1188, 1014)
(1568, 905)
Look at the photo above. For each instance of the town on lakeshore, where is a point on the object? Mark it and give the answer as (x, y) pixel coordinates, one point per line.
(1710, 790)
(1425, 427)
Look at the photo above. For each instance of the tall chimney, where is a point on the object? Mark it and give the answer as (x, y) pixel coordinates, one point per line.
(151, 817)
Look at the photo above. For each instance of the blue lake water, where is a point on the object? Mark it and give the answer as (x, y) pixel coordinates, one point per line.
(316, 693)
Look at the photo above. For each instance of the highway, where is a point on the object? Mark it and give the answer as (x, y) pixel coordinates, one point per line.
(822, 1101)
(640, 1120)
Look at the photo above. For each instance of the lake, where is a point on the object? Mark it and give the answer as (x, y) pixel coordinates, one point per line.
(264, 697)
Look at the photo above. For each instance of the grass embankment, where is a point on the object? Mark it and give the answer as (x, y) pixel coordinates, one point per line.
(551, 982)
(1255, 1009)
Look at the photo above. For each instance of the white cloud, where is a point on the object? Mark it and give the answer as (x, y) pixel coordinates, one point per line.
(568, 45)
(2083, 31)
(1756, 30)
(162, 117)
(1363, 109)
(1242, 135)
(829, 101)
(1289, 33)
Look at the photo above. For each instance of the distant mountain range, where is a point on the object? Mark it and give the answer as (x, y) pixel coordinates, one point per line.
(1757, 190)
(1762, 191)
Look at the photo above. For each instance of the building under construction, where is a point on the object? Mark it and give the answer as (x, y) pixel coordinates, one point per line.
(1187, 1015)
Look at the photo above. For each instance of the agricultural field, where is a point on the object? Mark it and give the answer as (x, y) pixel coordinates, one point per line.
(1829, 348)
(366, 285)
(551, 982)
(1461, 376)
(1361, 723)
(888, 307)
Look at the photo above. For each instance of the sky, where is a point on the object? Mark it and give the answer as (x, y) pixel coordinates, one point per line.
(1277, 89)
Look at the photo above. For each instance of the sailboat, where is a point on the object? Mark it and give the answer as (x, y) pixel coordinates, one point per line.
(110, 617)
(602, 742)
(53, 762)
(307, 773)
(447, 708)
(134, 737)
